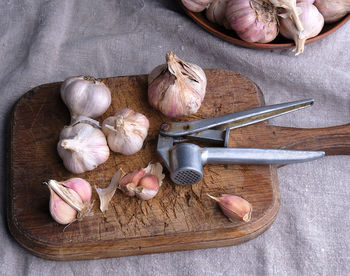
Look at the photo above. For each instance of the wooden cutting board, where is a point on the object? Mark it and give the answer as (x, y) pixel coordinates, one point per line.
(179, 217)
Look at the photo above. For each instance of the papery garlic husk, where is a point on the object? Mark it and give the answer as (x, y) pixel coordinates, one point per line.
(292, 11)
(176, 88)
(333, 10)
(126, 131)
(216, 12)
(196, 5)
(69, 200)
(85, 97)
(313, 23)
(105, 195)
(234, 206)
(144, 183)
(253, 20)
(82, 147)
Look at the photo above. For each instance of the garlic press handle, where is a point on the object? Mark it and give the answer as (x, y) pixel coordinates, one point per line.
(233, 120)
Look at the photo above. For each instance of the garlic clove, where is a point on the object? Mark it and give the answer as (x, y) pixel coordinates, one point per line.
(129, 182)
(60, 211)
(143, 183)
(233, 206)
(156, 170)
(82, 147)
(69, 200)
(148, 187)
(126, 131)
(85, 96)
(176, 88)
(106, 194)
(80, 186)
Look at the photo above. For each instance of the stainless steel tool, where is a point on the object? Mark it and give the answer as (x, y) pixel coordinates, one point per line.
(185, 160)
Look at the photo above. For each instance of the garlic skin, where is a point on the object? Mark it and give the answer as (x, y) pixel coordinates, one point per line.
(292, 11)
(312, 21)
(105, 195)
(176, 88)
(69, 200)
(333, 10)
(82, 147)
(234, 206)
(145, 183)
(85, 96)
(196, 5)
(216, 12)
(253, 20)
(126, 131)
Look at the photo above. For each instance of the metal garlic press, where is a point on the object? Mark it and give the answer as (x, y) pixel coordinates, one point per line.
(185, 160)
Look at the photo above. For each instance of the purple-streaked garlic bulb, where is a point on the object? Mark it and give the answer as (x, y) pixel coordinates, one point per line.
(253, 20)
(176, 88)
(312, 21)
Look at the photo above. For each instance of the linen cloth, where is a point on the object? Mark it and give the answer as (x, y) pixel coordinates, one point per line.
(45, 41)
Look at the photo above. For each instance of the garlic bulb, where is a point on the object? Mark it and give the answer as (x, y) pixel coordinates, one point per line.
(234, 206)
(82, 147)
(126, 130)
(216, 11)
(333, 10)
(85, 96)
(144, 183)
(69, 200)
(176, 88)
(196, 5)
(312, 21)
(292, 11)
(253, 20)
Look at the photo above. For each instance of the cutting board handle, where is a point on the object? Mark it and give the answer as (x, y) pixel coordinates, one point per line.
(333, 140)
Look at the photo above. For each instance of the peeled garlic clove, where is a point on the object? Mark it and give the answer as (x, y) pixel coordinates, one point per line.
(82, 147)
(312, 21)
(196, 5)
(85, 96)
(106, 194)
(253, 20)
(126, 131)
(129, 182)
(233, 206)
(176, 88)
(69, 200)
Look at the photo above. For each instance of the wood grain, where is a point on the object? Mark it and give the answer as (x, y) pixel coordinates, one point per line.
(178, 218)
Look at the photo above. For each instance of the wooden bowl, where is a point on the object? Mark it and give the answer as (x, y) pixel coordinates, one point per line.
(279, 43)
